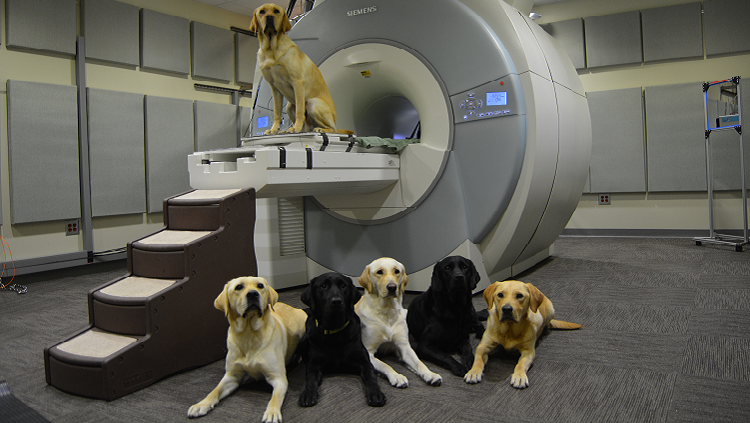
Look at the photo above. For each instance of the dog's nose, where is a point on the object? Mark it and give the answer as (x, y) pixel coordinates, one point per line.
(507, 309)
(391, 287)
(337, 301)
(253, 294)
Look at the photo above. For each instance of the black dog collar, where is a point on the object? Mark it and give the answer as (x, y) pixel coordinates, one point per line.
(332, 331)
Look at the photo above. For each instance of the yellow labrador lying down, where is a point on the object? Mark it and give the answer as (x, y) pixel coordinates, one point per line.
(384, 320)
(518, 314)
(262, 337)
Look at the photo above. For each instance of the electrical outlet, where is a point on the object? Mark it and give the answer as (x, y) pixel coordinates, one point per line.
(604, 199)
(71, 227)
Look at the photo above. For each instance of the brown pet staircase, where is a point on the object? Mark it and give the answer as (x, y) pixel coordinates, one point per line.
(160, 319)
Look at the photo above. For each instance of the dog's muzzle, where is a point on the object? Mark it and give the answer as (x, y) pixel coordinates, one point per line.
(253, 303)
(391, 288)
(507, 314)
(270, 27)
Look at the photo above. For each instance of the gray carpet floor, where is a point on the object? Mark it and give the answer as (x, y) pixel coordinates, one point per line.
(665, 339)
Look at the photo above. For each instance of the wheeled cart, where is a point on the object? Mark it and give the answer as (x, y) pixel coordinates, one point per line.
(723, 123)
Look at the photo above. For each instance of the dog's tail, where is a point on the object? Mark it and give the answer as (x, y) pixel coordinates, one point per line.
(559, 324)
(335, 131)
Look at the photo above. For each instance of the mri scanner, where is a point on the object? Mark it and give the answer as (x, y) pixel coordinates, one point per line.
(503, 153)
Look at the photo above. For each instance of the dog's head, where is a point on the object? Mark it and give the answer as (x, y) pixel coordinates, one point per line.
(244, 298)
(512, 300)
(454, 276)
(331, 298)
(269, 20)
(386, 277)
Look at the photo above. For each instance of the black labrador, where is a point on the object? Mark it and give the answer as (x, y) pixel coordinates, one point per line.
(442, 318)
(333, 337)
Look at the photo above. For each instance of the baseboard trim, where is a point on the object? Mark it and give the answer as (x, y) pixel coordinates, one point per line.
(646, 233)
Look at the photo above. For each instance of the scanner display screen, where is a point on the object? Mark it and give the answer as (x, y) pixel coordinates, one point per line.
(499, 98)
(262, 121)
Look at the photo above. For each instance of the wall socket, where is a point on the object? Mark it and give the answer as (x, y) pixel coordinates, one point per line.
(605, 199)
(71, 227)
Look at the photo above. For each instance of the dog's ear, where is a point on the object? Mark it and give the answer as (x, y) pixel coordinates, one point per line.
(222, 301)
(365, 281)
(354, 294)
(273, 296)
(489, 294)
(254, 25)
(436, 282)
(536, 297)
(307, 295)
(473, 275)
(405, 281)
(285, 24)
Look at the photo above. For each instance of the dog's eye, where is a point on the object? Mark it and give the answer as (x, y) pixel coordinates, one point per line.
(519, 296)
(239, 287)
(262, 12)
(379, 272)
(261, 286)
(500, 295)
(397, 271)
(324, 285)
(276, 11)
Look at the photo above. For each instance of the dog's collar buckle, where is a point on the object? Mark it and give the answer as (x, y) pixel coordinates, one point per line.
(332, 331)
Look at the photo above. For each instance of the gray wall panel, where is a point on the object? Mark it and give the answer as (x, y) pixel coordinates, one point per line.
(247, 51)
(676, 147)
(215, 126)
(169, 140)
(165, 42)
(672, 32)
(570, 36)
(213, 52)
(111, 31)
(727, 28)
(618, 161)
(43, 152)
(613, 39)
(48, 25)
(116, 151)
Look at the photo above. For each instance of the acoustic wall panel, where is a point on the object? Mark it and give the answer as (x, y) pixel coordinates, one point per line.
(613, 39)
(111, 31)
(43, 152)
(213, 52)
(726, 23)
(676, 147)
(215, 126)
(165, 42)
(169, 140)
(618, 160)
(247, 51)
(672, 32)
(116, 153)
(570, 36)
(46, 25)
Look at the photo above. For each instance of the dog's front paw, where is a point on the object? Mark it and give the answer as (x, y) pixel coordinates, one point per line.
(398, 380)
(272, 416)
(473, 377)
(375, 398)
(271, 132)
(459, 369)
(199, 409)
(433, 379)
(519, 380)
(308, 399)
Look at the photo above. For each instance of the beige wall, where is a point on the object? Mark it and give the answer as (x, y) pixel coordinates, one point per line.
(650, 210)
(48, 238)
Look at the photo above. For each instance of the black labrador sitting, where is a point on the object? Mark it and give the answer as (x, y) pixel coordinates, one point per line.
(333, 337)
(442, 318)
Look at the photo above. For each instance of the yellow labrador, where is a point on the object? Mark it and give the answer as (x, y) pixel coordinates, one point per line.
(384, 320)
(291, 75)
(518, 314)
(262, 337)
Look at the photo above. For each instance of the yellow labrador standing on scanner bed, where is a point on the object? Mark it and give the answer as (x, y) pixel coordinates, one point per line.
(261, 340)
(291, 75)
(384, 320)
(518, 314)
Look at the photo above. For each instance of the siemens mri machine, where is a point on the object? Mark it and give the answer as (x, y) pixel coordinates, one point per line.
(503, 153)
